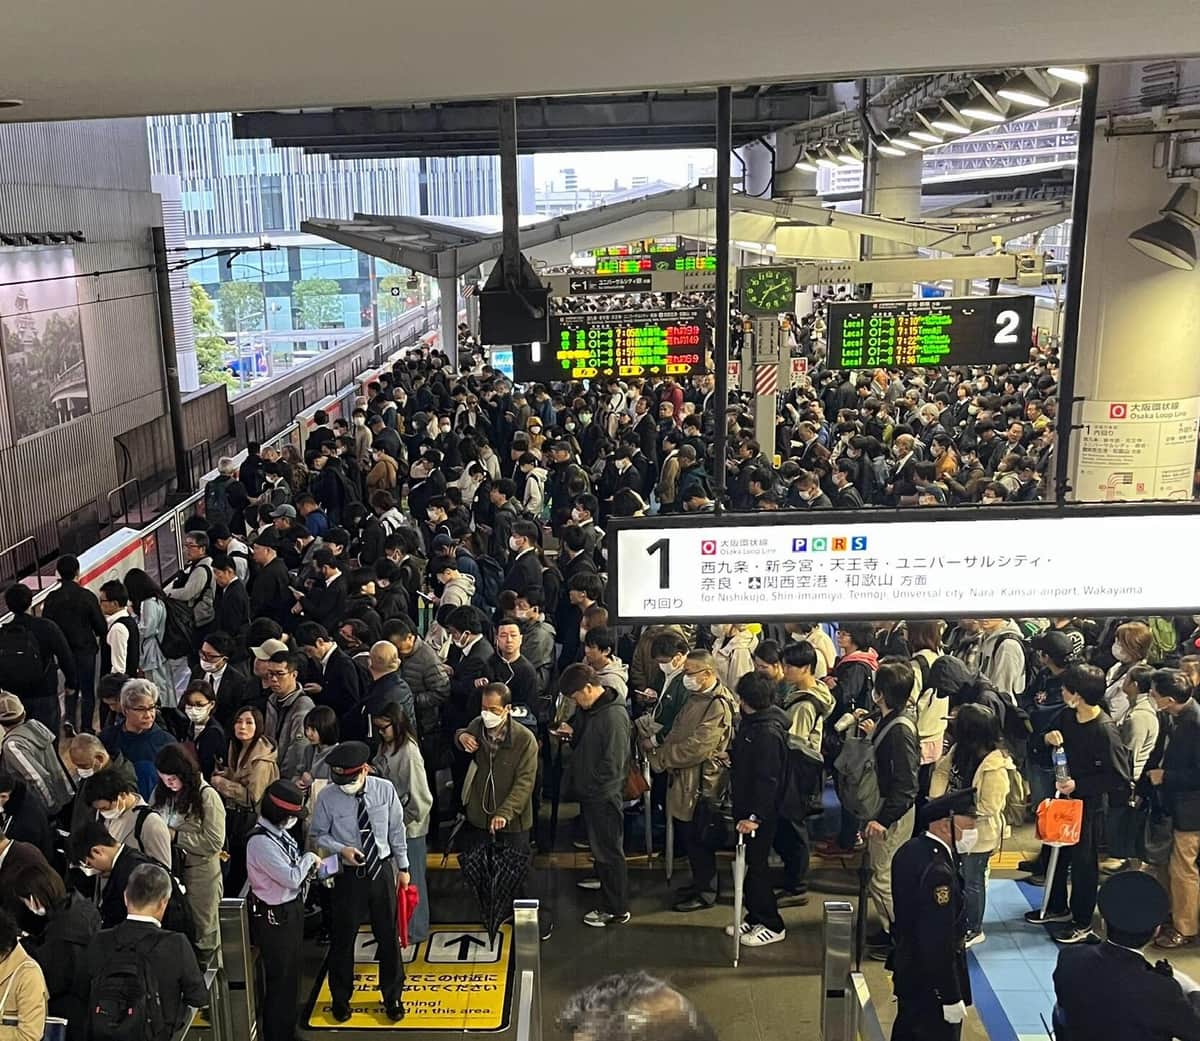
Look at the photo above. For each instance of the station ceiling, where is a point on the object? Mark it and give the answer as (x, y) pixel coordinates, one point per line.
(128, 57)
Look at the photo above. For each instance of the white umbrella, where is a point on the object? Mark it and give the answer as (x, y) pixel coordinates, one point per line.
(739, 885)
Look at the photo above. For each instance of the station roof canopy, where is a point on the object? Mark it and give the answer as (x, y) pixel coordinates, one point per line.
(591, 122)
(442, 249)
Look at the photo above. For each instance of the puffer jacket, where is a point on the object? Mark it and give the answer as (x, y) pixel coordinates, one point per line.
(382, 476)
(991, 792)
(28, 753)
(701, 732)
(735, 656)
(807, 709)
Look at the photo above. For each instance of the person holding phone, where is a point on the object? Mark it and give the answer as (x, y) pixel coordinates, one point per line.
(360, 818)
(279, 872)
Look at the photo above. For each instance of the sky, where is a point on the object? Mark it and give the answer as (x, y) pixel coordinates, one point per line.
(600, 169)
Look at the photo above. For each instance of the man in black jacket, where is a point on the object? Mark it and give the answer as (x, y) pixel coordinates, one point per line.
(231, 605)
(333, 678)
(40, 698)
(180, 983)
(897, 761)
(525, 570)
(99, 854)
(1175, 773)
(270, 592)
(759, 765)
(76, 611)
(599, 764)
(505, 513)
(510, 667)
(325, 600)
(231, 685)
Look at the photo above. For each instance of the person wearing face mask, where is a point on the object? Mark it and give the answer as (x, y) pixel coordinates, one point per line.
(66, 921)
(977, 760)
(524, 570)
(1131, 644)
(279, 872)
(360, 819)
(929, 961)
(116, 802)
(204, 736)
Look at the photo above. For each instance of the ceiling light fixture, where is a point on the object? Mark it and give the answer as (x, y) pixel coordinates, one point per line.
(887, 148)
(1171, 239)
(984, 115)
(1023, 91)
(1068, 75)
(925, 135)
(907, 144)
(805, 163)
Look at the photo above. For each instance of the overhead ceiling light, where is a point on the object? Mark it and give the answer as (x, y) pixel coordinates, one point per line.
(886, 148)
(1068, 75)
(983, 114)
(827, 163)
(947, 126)
(850, 154)
(925, 135)
(1171, 239)
(907, 144)
(1023, 91)
(987, 88)
(805, 163)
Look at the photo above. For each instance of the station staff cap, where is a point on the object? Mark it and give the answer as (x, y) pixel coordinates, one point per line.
(348, 759)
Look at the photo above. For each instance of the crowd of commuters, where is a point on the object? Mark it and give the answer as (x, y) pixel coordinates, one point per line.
(403, 621)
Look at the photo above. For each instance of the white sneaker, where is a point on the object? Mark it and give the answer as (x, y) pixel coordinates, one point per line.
(762, 936)
(973, 939)
(602, 919)
(591, 882)
(742, 929)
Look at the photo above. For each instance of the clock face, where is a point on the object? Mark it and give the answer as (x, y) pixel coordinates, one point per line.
(768, 290)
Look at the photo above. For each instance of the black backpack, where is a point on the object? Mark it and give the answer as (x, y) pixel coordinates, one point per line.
(124, 1002)
(179, 632)
(491, 581)
(178, 916)
(21, 662)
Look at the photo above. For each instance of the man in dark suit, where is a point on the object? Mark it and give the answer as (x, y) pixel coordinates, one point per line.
(231, 604)
(325, 602)
(1109, 991)
(525, 571)
(228, 682)
(145, 895)
(16, 857)
(99, 854)
(76, 611)
(270, 591)
(332, 677)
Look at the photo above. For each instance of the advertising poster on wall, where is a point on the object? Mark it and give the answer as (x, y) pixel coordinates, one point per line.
(41, 338)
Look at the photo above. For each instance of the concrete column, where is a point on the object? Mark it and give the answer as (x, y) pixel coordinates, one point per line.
(1137, 371)
(897, 194)
(448, 304)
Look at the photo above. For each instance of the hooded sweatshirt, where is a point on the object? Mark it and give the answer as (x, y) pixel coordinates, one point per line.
(854, 675)
(458, 591)
(615, 676)
(1002, 659)
(951, 678)
(807, 709)
(734, 652)
(28, 752)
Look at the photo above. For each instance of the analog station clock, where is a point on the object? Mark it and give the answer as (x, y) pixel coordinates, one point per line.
(767, 290)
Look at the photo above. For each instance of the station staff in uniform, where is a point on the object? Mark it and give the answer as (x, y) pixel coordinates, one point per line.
(928, 960)
(279, 873)
(1108, 991)
(360, 818)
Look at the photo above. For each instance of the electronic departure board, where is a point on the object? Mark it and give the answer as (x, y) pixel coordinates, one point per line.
(669, 260)
(616, 343)
(974, 330)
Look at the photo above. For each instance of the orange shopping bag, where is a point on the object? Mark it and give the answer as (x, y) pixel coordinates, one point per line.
(1059, 821)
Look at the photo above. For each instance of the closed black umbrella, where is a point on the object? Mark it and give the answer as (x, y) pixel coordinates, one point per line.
(496, 873)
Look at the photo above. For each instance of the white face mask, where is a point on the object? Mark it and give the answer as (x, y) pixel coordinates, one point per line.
(84, 772)
(692, 682)
(196, 713)
(355, 786)
(491, 720)
(577, 515)
(359, 421)
(666, 667)
(111, 815)
(967, 840)
(88, 872)
(582, 635)
(1120, 653)
(34, 906)
(211, 666)
(514, 543)
(289, 823)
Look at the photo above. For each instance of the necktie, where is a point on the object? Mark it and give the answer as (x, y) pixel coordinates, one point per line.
(370, 851)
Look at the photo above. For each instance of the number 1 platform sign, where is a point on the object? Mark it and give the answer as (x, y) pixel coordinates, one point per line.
(968, 330)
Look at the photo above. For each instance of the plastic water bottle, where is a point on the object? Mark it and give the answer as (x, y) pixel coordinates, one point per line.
(1059, 758)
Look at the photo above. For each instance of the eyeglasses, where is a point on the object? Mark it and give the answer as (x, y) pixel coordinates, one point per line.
(141, 710)
(701, 672)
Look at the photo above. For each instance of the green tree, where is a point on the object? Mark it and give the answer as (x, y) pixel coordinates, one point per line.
(393, 297)
(211, 347)
(241, 306)
(317, 304)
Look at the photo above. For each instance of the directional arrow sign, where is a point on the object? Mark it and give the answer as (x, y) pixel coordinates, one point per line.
(464, 946)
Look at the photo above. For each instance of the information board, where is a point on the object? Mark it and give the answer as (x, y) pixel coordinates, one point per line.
(941, 564)
(969, 330)
(616, 343)
(670, 260)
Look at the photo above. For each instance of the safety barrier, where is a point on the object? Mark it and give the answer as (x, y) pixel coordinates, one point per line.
(215, 1022)
(238, 964)
(7, 572)
(527, 945)
(847, 1010)
(120, 492)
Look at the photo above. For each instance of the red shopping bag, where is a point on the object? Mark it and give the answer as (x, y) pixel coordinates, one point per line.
(407, 899)
(1060, 821)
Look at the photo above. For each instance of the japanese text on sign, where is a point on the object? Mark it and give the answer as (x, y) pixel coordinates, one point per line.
(996, 568)
(628, 343)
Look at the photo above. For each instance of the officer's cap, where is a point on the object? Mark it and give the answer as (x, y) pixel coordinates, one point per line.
(961, 802)
(1133, 902)
(348, 758)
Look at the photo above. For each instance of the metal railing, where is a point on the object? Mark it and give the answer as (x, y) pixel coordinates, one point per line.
(14, 551)
(847, 1010)
(329, 384)
(216, 1021)
(297, 401)
(254, 426)
(527, 944)
(239, 964)
(120, 491)
(199, 460)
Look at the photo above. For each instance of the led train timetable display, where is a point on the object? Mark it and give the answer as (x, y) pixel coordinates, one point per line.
(629, 343)
(976, 330)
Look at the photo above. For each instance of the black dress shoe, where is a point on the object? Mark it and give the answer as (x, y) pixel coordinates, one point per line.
(395, 1011)
(340, 1012)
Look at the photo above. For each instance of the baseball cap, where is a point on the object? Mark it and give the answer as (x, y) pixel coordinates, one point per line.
(268, 647)
(1056, 646)
(284, 511)
(11, 709)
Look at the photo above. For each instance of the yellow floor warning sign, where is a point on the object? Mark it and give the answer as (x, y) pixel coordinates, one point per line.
(457, 979)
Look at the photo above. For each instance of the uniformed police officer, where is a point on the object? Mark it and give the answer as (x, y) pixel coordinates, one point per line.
(360, 818)
(278, 873)
(928, 960)
(1108, 991)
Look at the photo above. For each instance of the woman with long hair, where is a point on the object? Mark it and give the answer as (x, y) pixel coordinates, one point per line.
(150, 606)
(67, 921)
(977, 760)
(1130, 647)
(249, 770)
(195, 816)
(399, 760)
